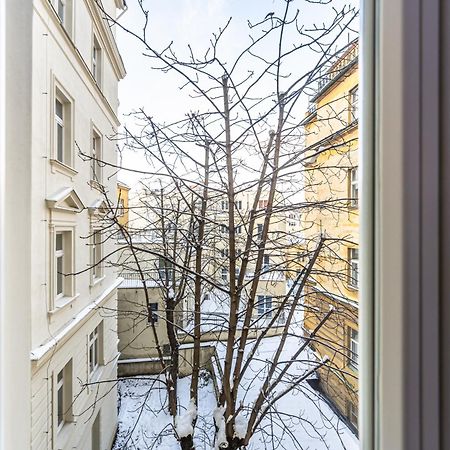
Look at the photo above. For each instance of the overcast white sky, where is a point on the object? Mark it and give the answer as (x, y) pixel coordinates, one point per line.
(193, 22)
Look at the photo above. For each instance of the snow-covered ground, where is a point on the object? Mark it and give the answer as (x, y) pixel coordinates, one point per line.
(300, 420)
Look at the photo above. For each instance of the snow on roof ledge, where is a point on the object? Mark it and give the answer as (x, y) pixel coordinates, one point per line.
(41, 351)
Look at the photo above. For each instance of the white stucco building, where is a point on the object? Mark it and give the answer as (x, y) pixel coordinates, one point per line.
(70, 94)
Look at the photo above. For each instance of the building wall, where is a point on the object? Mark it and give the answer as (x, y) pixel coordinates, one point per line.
(331, 136)
(62, 59)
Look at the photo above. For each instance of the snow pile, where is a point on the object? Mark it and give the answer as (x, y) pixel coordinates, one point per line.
(221, 438)
(240, 426)
(300, 419)
(184, 423)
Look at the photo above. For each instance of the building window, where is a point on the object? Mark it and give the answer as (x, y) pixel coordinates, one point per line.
(259, 232)
(264, 306)
(95, 348)
(224, 253)
(353, 348)
(238, 204)
(352, 413)
(97, 254)
(224, 205)
(224, 229)
(224, 274)
(353, 104)
(239, 229)
(353, 267)
(121, 208)
(96, 60)
(64, 395)
(266, 263)
(262, 204)
(63, 264)
(165, 269)
(62, 129)
(63, 9)
(96, 157)
(154, 312)
(353, 187)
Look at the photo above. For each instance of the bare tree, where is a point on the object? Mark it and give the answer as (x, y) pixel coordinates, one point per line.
(212, 221)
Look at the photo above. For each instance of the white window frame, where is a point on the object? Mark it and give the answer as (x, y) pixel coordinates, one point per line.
(353, 348)
(353, 100)
(264, 306)
(353, 267)
(59, 299)
(93, 351)
(353, 187)
(224, 275)
(66, 18)
(97, 57)
(121, 208)
(97, 255)
(96, 156)
(63, 407)
(66, 122)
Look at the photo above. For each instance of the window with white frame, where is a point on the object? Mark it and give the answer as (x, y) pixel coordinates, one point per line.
(121, 208)
(238, 204)
(96, 60)
(264, 306)
(63, 265)
(353, 104)
(224, 252)
(95, 348)
(262, 204)
(62, 128)
(224, 274)
(239, 229)
(353, 351)
(353, 187)
(97, 254)
(353, 267)
(224, 205)
(63, 407)
(165, 269)
(96, 157)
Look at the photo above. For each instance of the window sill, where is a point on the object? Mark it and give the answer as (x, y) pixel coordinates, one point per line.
(97, 186)
(96, 281)
(352, 288)
(63, 433)
(62, 302)
(58, 166)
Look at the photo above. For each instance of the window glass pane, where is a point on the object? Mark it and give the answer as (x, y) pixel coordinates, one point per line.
(59, 275)
(61, 10)
(59, 241)
(60, 405)
(59, 109)
(59, 143)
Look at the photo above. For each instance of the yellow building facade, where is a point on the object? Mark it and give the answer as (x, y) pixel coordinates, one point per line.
(331, 197)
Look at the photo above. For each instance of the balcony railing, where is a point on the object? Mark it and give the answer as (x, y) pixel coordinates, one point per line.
(337, 68)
